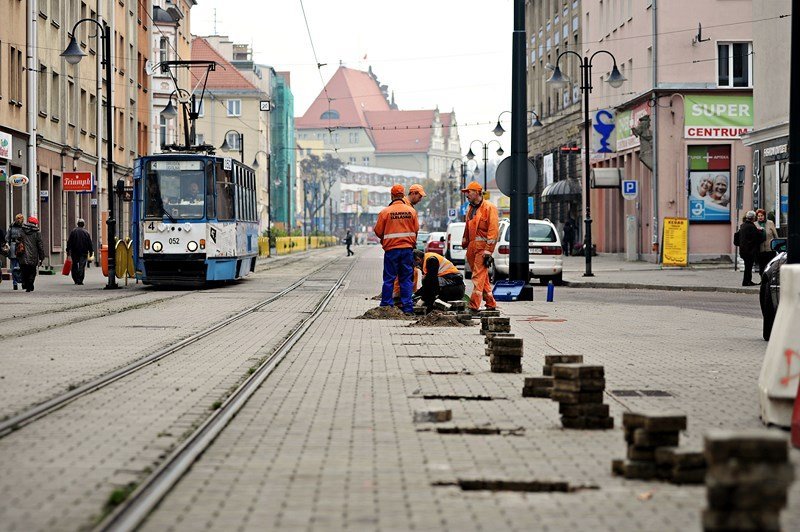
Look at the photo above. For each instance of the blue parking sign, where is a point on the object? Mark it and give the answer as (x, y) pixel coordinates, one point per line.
(630, 189)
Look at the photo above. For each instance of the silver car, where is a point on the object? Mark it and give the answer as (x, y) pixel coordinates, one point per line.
(545, 259)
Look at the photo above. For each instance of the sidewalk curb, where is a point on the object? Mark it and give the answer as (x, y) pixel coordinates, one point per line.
(635, 286)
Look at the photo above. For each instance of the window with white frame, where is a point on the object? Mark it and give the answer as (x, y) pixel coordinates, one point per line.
(234, 107)
(199, 107)
(163, 49)
(162, 130)
(365, 161)
(735, 64)
(199, 139)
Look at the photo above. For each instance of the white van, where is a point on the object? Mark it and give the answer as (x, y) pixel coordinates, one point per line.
(452, 243)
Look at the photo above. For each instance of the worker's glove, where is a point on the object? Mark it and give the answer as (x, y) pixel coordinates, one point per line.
(487, 260)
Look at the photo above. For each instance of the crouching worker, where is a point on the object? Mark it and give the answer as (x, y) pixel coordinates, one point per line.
(440, 279)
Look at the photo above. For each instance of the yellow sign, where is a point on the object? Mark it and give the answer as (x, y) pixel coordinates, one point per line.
(676, 242)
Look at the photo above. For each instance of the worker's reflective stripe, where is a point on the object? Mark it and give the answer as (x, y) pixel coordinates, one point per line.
(398, 235)
(480, 239)
(491, 241)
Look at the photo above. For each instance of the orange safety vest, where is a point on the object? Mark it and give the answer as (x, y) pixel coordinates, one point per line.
(397, 226)
(445, 266)
(482, 225)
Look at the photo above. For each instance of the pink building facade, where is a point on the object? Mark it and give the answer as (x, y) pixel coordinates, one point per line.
(688, 96)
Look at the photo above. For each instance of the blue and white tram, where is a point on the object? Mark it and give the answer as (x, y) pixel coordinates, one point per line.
(195, 219)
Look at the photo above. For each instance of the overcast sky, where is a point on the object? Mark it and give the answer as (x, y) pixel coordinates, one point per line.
(452, 53)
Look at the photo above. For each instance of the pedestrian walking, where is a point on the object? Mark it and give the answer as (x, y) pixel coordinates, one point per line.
(348, 241)
(569, 235)
(13, 238)
(440, 279)
(749, 239)
(397, 228)
(765, 253)
(480, 238)
(30, 252)
(79, 247)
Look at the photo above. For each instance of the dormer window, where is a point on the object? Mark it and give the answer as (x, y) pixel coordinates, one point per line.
(330, 115)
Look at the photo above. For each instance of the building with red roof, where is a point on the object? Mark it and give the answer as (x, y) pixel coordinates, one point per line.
(359, 124)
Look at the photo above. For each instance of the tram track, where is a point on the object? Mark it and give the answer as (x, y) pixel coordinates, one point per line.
(40, 410)
(148, 494)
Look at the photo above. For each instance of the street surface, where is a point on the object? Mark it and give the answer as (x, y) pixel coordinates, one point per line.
(328, 441)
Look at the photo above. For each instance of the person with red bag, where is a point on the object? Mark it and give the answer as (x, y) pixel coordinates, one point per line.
(79, 247)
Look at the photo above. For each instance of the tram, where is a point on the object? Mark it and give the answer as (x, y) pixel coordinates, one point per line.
(195, 219)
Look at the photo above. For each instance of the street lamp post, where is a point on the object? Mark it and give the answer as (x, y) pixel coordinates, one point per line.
(169, 112)
(498, 129)
(615, 79)
(73, 55)
(227, 147)
(485, 145)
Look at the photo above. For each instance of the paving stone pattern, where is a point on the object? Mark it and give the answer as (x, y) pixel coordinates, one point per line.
(329, 442)
(77, 348)
(59, 471)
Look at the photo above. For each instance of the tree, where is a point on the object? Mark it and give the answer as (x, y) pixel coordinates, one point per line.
(319, 175)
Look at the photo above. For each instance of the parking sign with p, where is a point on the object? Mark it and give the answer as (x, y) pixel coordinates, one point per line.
(630, 189)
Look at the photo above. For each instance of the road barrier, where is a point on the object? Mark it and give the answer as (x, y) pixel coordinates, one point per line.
(286, 245)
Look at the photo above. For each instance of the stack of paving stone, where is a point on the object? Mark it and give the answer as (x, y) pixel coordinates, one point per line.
(578, 388)
(505, 354)
(537, 387)
(489, 336)
(485, 315)
(680, 466)
(747, 481)
(550, 360)
(644, 434)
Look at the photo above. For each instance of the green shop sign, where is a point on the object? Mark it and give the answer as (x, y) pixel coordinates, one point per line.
(717, 116)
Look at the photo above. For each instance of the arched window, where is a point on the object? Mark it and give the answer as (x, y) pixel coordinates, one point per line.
(330, 115)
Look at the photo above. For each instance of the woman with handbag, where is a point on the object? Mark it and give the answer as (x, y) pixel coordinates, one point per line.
(13, 238)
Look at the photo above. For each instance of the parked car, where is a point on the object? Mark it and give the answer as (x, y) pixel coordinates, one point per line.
(770, 290)
(453, 250)
(422, 238)
(545, 257)
(435, 243)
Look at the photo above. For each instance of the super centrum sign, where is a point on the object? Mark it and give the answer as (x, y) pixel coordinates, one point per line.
(717, 116)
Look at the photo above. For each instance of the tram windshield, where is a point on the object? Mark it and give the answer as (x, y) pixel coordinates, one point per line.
(175, 189)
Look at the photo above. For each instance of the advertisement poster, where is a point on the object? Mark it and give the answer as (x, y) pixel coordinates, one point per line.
(676, 242)
(709, 184)
(625, 121)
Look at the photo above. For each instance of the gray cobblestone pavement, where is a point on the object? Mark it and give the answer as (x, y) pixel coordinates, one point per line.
(59, 471)
(328, 442)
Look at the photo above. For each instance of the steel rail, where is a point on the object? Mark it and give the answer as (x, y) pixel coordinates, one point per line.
(40, 410)
(149, 493)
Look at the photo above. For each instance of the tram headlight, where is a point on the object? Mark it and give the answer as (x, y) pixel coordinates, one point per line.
(192, 246)
(147, 245)
(157, 246)
(202, 243)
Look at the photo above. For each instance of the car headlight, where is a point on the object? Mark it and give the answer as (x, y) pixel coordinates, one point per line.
(157, 246)
(192, 246)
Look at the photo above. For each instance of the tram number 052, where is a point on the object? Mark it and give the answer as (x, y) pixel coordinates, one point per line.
(174, 240)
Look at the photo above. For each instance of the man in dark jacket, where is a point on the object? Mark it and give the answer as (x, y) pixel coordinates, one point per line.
(30, 252)
(348, 241)
(569, 236)
(750, 239)
(13, 237)
(79, 246)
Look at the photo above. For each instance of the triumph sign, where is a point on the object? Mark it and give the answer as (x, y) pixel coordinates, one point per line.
(78, 182)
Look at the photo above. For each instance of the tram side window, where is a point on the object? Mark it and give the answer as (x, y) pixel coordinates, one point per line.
(211, 211)
(225, 195)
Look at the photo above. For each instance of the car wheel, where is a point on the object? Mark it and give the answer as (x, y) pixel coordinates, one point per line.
(767, 311)
(557, 279)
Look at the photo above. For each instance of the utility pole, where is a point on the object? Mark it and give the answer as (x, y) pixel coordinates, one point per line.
(793, 254)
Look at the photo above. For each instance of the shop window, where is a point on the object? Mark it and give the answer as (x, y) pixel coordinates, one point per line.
(735, 64)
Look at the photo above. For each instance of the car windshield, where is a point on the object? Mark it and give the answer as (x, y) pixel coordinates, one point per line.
(541, 233)
(174, 189)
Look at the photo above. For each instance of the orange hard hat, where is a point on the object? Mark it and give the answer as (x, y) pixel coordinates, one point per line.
(398, 190)
(473, 185)
(417, 188)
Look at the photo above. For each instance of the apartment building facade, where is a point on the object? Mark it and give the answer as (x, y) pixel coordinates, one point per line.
(678, 121)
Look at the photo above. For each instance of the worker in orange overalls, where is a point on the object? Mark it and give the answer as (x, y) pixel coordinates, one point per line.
(440, 279)
(397, 228)
(415, 195)
(480, 238)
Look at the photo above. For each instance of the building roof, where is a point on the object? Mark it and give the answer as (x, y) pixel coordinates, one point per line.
(405, 131)
(226, 76)
(351, 93)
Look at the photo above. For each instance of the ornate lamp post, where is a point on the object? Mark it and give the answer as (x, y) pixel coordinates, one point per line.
(471, 156)
(73, 55)
(227, 147)
(498, 129)
(615, 79)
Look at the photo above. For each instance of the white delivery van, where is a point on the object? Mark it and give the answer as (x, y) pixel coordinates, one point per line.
(452, 243)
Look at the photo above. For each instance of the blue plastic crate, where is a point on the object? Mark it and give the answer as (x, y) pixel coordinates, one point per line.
(507, 290)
